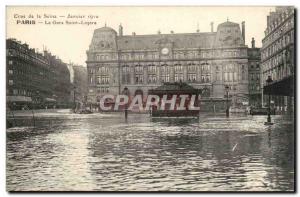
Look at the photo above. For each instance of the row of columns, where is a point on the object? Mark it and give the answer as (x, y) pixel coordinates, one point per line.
(158, 73)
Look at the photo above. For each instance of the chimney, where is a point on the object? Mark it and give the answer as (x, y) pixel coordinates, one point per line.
(158, 32)
(120, 30)
(133, 33)
(253, 43)
(243, 30)
(172, 32)
(212, 26)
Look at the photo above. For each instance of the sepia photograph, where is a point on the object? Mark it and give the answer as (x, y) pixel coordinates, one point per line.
(150, 98)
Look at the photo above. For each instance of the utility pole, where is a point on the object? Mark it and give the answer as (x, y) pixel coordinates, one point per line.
(227, 98)
(269, 81)
(126, 92)
(74, 99)
(119, 70)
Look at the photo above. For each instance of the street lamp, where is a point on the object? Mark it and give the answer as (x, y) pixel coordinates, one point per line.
(37, 99)
(234, 97)
(33, 107)
(269, 81)
(126, 92)
(55, 98)
(74, 99)
(227, 104)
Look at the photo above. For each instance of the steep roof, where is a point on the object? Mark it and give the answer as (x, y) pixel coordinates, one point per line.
(105, 28)
(227, 24)
(182, 40)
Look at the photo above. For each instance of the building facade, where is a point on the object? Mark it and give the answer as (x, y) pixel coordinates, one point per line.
(208, 61)
(277, 57)
(35, 80)
(254, 76)
(79, 90)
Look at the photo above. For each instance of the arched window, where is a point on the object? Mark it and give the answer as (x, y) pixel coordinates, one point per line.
(243, 75)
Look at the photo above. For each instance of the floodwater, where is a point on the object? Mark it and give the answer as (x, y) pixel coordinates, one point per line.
(103, 152)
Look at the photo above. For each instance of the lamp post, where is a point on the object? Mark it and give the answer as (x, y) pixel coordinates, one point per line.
(234, 97)
(119, 70)
(35, 102)
(74, 99)
(269, 80)
(126, 92)
(227, 97)
(55, 97)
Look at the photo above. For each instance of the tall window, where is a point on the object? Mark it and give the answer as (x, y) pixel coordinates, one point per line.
(178, 68)
(218, 76)
(151, 68)
(235, 76)
(103, 79)
(191, 77)
(91, 70)
(138, 70)
(230, 73)
(207, 78)
(151, 78)
(178, 77)
(154, 56)
(243, 72)
(138, 78)
(164, 68)
(205, 67)
(205, 73)
(226, 78)
(230, 76)
(103, 90)
(165, 77)
(192, 67)
(125, 74)
(192, 70)
(15, 91)
(103, 69)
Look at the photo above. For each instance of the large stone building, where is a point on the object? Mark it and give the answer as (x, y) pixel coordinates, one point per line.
(208, 61)
(254, 73)
(35, 80)
(277, 57)
(79, 90)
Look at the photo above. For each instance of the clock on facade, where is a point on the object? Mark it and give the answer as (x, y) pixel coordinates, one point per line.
(165, 51)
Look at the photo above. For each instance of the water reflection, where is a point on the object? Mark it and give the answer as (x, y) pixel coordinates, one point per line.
(103, 152)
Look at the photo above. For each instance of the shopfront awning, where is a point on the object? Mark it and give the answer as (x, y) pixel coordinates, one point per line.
(50, 100)
(18, 99)
(284, 87)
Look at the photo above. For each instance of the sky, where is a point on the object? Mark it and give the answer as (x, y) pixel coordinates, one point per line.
(70, 42)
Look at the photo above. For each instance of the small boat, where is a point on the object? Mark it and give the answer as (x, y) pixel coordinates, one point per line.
(85, 111)
(261, 111)
(175, 89)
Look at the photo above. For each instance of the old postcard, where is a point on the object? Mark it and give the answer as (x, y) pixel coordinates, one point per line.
(162, 98)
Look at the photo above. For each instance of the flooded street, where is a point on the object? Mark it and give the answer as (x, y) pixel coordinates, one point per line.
(104, 152)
